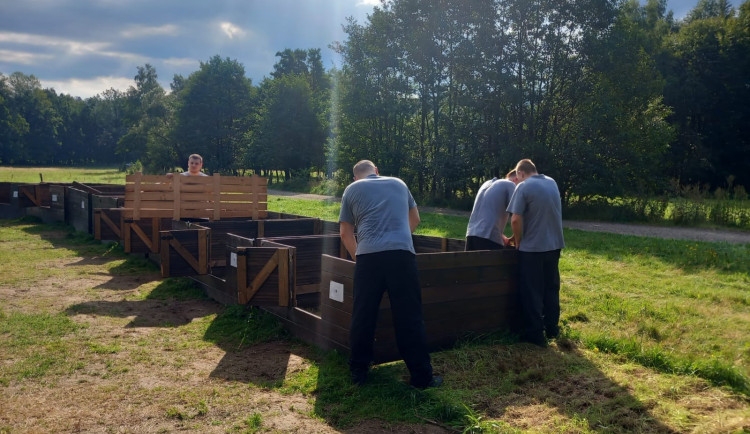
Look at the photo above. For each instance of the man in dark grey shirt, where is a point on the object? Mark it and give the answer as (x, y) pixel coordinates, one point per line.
(384, 214)
(538, 236)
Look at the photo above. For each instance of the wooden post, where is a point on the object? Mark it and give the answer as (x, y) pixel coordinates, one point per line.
(137, 199)
(165, 238)
(242, 276)
(176, 205)
(97, 223)
(285, 255)
(203, 252)
(217, 197)
(256, 196)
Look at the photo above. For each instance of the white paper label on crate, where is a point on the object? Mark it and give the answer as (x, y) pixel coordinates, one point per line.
(83, 205)
(15, 194)
(233, 259)
(54, 198)
(336, 291)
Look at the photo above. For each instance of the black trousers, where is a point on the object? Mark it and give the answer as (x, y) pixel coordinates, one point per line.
(539, 292)
(394, 271)
(479, 243)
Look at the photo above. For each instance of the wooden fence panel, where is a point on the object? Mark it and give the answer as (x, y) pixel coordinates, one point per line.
(184, 252)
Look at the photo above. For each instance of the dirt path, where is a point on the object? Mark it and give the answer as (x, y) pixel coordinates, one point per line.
(668, 232)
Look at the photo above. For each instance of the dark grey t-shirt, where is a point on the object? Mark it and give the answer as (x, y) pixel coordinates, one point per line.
(378, 207)
(537, 199)
(489, 208)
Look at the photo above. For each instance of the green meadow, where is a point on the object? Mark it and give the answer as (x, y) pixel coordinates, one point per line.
(656, 338)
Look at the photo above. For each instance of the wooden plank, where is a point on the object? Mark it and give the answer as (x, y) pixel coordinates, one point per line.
(203, 251)
(217, 196)
(138, 176)
(97, 224)
(109, 224)
(135, 227)
(177, 246)
(164, 263)
(155, 188)
(261, 277)
(31, 193)
(176, 196)
(137, 196)
(242, 276)
(286, 280)
(226, 196)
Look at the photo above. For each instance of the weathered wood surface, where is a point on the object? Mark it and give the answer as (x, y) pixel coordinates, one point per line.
(184, 252)
(213, 197)
(462, 293)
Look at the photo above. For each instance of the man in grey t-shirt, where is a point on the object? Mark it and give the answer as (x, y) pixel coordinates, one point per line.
(384, 214)
(489, 216)
(538, 236)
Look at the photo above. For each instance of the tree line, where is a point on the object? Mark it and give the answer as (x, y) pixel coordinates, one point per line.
(609, 97)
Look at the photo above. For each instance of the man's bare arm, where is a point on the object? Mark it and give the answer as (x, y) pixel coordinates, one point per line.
(346, 230)
(413, 218)
(516, 223)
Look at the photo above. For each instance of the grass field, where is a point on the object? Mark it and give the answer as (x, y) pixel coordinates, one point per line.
(62, 174)
(655, 339)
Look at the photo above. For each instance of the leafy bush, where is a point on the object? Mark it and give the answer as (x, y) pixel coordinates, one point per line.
(132, 168)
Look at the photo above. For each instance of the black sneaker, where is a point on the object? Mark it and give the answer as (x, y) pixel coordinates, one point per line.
(436, 381)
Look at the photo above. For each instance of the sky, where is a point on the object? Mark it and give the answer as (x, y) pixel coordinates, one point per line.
(84, 47)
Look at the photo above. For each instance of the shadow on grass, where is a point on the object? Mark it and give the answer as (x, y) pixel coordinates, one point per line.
(494, 386)
(492, 379)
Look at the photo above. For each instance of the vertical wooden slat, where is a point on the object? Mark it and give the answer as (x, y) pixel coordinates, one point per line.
(97, 224)
(142, 235)
(285, 255)
(176, 204)
(155, 228)
(255, 190)
(203, 251)
(217, 197)
(261, 229)
(165, 237)
(242, 276)
(137, 198)
(444, 244)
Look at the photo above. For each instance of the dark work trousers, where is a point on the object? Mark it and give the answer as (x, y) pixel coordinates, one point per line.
(479, 243)
(394, 271)
(539, 292)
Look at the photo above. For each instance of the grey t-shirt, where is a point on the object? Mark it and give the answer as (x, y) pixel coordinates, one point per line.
(187, 173)
(537, 200)
(489, 208)
(378, 207)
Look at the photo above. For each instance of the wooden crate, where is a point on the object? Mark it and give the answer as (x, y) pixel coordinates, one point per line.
(184, 252)
(462, 293)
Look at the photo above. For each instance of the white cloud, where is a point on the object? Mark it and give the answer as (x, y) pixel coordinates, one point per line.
(146, 31)
(368, 3)
(86, 88)
(231, 30)
(23, 57)
(73, 47)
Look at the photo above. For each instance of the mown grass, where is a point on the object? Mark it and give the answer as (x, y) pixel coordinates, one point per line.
(649, 326)
(678, 306)
(90, 175)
